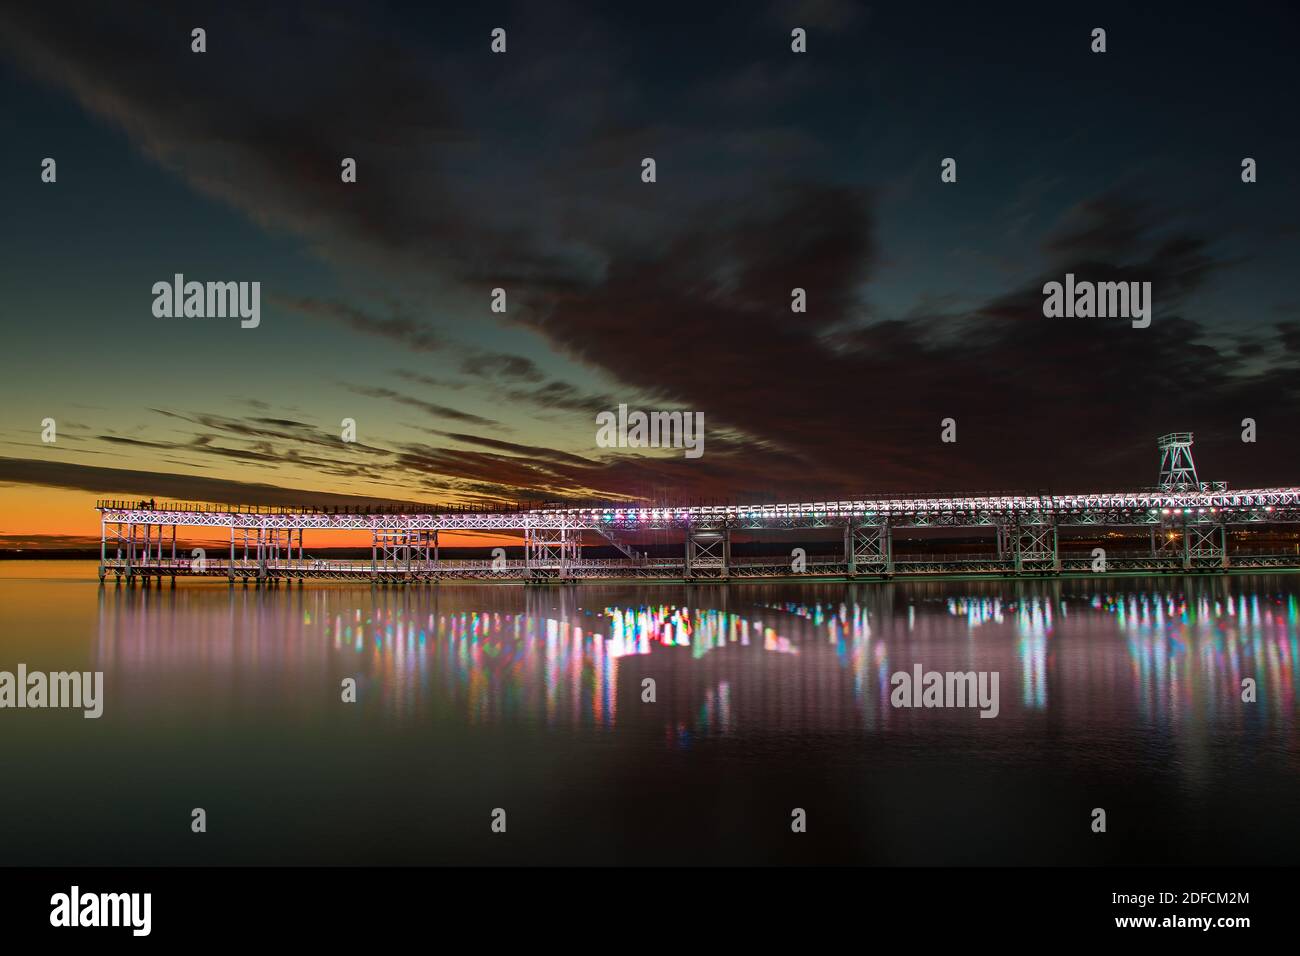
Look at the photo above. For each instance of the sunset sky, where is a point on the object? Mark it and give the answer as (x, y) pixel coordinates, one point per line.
(523, 171)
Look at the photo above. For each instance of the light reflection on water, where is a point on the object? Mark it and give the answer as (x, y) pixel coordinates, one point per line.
(546, 656)
(1122, 693)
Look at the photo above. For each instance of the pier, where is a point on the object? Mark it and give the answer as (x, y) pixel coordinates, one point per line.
(1188, 525)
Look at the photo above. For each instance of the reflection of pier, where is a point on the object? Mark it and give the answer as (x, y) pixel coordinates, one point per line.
(1188, 522)
(487, 656)
(725, 659)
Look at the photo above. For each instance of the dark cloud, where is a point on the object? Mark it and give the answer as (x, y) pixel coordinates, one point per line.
(262, 432)
(419, 378)
(1060, 402)
(110, 481)
(529, 451)
(501, 366)
(1289, 333)
(433, 408)
(262, 124)
(263, 442)
(408, 332)
(562, 396)
(677, 295)
(421, 337)
(118, 440)
(736, 473)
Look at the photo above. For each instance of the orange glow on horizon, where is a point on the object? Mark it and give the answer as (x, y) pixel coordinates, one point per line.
(42, 518)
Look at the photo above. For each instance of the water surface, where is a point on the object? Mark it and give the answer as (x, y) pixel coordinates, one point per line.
(1123, 694)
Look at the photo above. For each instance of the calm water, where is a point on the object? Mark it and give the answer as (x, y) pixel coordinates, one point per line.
(1122, 694)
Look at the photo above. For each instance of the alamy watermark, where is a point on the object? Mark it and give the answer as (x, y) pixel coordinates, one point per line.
(208, 300)
(76, 908)
(63, 689)
(638, 429)
(922, 688)
(1101, 300)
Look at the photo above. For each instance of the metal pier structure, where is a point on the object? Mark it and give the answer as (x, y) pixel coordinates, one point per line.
(1189, 521)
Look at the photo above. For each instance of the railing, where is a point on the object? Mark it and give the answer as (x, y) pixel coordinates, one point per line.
(949, 558)
(1210, 498)
(194, 507)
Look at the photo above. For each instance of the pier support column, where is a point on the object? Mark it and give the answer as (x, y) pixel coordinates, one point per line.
(401, 551)
(425, 545)
(1005, 535)
(1205, 545)
(708, 549)
(103, 546)
(1036, 546)
(552, 549)
(871, 548)
(254, 543)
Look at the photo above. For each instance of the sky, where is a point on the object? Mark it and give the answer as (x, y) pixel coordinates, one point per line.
(523, 171)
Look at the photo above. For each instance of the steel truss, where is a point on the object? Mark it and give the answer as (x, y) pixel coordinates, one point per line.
(1188, 521)
(139, 546)
(552, 552)
(1035, 545)
(1177, 469)
(869, 548)
(708, 552)
(1205, 544)
(1120, 509)
(403, 552)
(1002, 534)
(264, 550)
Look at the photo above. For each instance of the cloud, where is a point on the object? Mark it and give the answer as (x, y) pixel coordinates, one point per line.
(408, 332)
(678, 294)
(562, 396)
(501, 366)
(513, 448)
(433, 408)
(197, 488)
(266, 133)
(861, 401)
